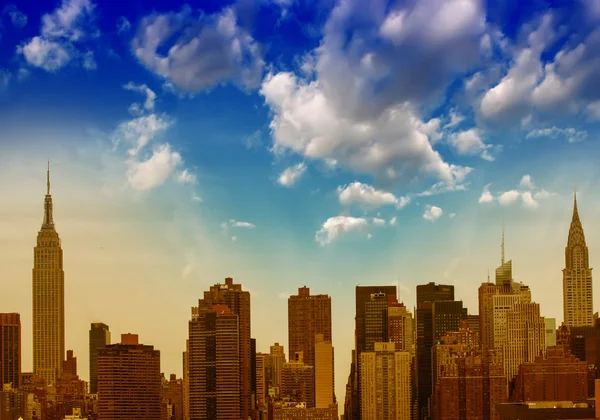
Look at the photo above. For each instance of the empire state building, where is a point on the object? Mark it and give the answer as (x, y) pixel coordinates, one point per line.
(48, 298)
(577, 277)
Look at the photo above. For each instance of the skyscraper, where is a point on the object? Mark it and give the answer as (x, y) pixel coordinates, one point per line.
(10, 349)
(220, 359)
(385, 383)
(129, 381)
(363, 295)
(298, 381)
(99, 338)
(376, 320)
(277, 353)
(427, 294)
(308, 315)
(577, 277)
(48, 298)
(324, 373)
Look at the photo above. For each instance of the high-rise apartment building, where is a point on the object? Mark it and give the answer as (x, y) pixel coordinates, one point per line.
(220, 359)
(324, 373)
(263, 362)
(129, 381)
(298, 381)
(277, 353)
(172, 398)
(186, 381)
(99, 338)
(48, 298)
(10, 349)
(308, 315)
(558, 377)
(385, 383)
(550, 324)
(427, 294)
(577, 277)
(70, 364)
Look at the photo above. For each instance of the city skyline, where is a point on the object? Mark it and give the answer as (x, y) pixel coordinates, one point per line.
(162, 188)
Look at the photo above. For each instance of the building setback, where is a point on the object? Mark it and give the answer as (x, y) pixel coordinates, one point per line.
(10, 349)
(129, 381)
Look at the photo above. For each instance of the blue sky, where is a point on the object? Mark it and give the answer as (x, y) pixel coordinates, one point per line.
(284, 143)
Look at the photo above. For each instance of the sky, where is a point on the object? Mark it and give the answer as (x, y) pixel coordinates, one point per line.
(287, 143)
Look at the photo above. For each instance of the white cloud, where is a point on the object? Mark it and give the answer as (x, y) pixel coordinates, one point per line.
(335, 227)
(254, 140)
(196, 198)
(145, 90)
(17, 18)
(542, 194)
(205, 51)
(432, 213)
(88, 61)
(452, 215)
(571, 134)
(486, 195)
(140, 131)
(378, 222)
(234, 239)
(391, 145)
(48, 55)
(455, 119)
(238, 224)
(369, 236)
(368, 196)
(291, 175)
(528, 200)
(467, 142)
(509, 197)
(511, 96)
(186, 177)
(68, 21)
(61, 30)
(526, 182)
(123, 25)
(393, 221)
(153, 172)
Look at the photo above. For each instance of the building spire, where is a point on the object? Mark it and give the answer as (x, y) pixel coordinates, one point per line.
(48, 223)
(502, 246)
(48, 178)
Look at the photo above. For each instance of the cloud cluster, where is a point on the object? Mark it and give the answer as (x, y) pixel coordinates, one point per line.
(136, 108)
(17, 18)
(432, 213)
(334, 227)
(369, 197)
(527, 193)
(235, 224)
(572, 135)
(201, 52)
(62, 33)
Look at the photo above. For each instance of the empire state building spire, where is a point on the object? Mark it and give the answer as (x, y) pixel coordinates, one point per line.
(48, 223)
(577, 275)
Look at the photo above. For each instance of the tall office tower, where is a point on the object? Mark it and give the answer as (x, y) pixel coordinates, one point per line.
(363, 295)
(447, 316)
(376, 320)
(558, 377)
(186, 382)
(277, 353)
(324, 373)
(307, 316)
(263, 361)
(129, 380)
(10, 349)
(253, 377)
(518, 332)
(400, 326)
(48, 298)
(70, 364)
(99, 338)
(550, 332)
(220, 359)
(385, 383)
(427, 294)
(298, 381)
(577, 277)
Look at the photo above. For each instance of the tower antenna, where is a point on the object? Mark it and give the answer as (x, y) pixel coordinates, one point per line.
(48, 177)
(502, 247)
